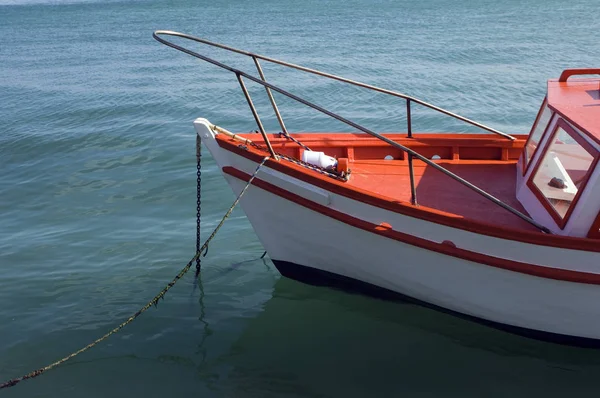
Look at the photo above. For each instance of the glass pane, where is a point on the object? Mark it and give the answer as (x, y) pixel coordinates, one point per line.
(563, 171)
(536, 134)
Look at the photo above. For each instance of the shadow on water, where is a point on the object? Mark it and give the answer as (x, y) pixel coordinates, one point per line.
(317, 341)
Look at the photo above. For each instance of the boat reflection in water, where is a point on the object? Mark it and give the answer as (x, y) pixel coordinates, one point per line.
(319, 341)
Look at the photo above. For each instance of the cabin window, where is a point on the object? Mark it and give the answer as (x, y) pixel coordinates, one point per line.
(535, 136)
(563, 171)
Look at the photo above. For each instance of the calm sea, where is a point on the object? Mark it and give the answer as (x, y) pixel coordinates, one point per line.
(97, 195)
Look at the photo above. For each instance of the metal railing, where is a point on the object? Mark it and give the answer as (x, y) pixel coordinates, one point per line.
(268, 87)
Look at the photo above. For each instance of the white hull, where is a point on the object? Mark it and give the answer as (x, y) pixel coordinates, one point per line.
(294, 233)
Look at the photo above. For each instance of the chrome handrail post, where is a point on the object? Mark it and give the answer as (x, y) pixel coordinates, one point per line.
(256, 117)
(411, 171)
(270, 95)
(408, 119)
(413, 189)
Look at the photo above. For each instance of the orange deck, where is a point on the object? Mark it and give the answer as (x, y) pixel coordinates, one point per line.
(485, 160)
(440, 192)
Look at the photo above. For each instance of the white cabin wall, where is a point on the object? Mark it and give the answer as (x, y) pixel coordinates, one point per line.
(537, 211)
(520, 181)
(588, 205)
(586, 209)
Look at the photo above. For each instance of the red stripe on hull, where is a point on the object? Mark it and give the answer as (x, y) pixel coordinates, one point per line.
(443, 248)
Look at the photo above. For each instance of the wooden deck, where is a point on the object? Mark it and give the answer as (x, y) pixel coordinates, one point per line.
(487, 161)
(440, 192)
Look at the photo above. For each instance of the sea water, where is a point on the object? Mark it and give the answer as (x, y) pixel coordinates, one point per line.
(98, 197)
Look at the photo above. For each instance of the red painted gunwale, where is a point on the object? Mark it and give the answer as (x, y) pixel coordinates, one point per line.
(562, 221)
(443, 248)
(420, 212)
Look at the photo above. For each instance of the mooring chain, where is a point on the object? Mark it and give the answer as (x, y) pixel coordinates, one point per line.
(318, 169)
(289, 137)
(330, 172)
(198, 197)
(342, 176)
(152, 302)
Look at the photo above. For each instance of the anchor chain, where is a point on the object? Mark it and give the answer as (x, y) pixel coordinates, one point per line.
(198, 197)
(153, 302)
(289, 137)
(328, 172)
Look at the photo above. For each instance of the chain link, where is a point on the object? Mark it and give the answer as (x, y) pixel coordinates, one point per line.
(289, 137)
(198, 196)
(153, 302)
(328, 172)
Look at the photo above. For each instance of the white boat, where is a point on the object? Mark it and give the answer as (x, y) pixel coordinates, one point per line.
(500, 229)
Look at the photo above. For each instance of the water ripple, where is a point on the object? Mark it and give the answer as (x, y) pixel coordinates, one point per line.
(97, 193)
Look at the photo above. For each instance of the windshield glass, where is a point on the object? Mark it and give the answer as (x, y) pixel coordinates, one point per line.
(564, 169)
(536, 133)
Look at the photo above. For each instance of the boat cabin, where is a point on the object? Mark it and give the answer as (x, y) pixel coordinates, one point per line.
(558, 175)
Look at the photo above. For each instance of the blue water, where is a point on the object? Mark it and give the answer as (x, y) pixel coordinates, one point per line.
(97, 195)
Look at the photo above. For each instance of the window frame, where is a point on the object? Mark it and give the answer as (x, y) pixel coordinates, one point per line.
(595, 229)
(527, 163)
(562, 221)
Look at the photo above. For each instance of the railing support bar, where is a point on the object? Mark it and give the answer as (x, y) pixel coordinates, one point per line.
(396, 145)
(408, 120)
(343, 120)
(270, 95)
(256, 117)
(413, 189)
(324, 74)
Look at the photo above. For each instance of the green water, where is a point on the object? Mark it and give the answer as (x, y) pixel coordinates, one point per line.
(97, 195)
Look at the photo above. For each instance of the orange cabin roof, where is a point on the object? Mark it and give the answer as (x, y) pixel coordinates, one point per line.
(578, 100)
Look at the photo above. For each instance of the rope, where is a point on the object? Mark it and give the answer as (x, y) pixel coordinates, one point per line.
(154, 301)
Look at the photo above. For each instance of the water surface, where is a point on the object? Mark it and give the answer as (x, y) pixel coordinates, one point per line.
(97, 195)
